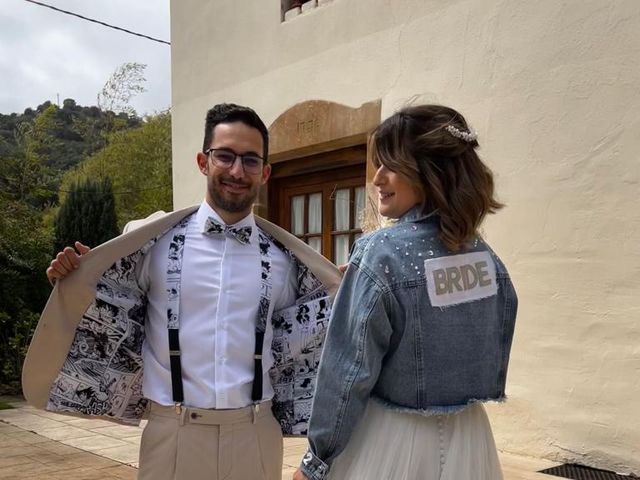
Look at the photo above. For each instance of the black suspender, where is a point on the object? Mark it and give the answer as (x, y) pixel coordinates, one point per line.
(256, 390)
(173, 280)
(176, 366)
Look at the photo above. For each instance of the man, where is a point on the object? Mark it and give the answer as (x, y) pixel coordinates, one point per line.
(193, 297)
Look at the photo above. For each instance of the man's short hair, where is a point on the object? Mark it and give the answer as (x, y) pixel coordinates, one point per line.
(229, 113)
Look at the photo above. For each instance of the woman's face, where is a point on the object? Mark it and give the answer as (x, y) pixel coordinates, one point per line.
(396, 193)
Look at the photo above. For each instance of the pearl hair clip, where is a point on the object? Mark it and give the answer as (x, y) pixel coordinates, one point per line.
(468, 137)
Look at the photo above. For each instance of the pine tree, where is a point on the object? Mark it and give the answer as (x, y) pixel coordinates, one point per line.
(88, 215)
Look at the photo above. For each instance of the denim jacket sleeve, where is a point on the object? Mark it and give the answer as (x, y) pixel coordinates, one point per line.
(357, 340)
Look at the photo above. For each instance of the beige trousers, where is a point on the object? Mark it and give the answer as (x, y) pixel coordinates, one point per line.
(200, 444)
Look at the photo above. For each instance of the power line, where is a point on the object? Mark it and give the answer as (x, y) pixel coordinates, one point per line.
(121, 192)
(98, 22)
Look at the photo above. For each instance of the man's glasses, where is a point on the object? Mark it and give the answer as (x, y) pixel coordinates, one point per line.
(225, 159)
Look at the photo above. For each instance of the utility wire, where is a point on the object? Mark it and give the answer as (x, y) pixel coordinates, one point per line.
(98, 22)
(120, 192)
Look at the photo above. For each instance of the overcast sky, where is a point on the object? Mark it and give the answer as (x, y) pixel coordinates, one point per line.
(44, 53)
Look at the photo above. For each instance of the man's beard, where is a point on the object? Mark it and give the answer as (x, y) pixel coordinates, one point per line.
(235, 204)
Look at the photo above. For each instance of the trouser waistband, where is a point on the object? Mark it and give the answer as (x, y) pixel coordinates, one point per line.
(204, 416)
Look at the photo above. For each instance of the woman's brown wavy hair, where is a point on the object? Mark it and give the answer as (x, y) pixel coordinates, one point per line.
(454, 181)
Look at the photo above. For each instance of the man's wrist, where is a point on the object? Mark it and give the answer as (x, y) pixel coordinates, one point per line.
(313, 467)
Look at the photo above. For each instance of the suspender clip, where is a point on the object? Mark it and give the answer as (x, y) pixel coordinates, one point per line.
(256, 410)
(178, 407)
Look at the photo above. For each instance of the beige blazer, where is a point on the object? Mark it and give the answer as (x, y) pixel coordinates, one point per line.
(72, 296)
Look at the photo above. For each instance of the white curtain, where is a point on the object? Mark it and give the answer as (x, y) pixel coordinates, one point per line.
(359, 207)
(297, 215)
(341, 209)
(315, 213)
(341, 249)
(315, 243)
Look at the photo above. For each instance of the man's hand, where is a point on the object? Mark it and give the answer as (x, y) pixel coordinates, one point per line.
(343, 267)
(66, 262)
(299, 475)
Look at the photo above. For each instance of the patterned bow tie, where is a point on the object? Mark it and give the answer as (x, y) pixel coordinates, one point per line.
(242, 234)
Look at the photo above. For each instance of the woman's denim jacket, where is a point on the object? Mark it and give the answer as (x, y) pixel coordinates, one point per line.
(414, 326)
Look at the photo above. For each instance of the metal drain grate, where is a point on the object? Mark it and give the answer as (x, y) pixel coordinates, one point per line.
(580, 472)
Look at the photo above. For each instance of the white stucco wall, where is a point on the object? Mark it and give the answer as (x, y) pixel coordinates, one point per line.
(553, 87)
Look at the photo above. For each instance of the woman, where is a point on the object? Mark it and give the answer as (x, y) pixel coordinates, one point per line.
(422, 324)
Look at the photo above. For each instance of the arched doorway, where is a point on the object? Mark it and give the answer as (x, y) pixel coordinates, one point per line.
(317, 188)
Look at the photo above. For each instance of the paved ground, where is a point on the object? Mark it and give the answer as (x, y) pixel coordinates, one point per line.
(35, 444)
(26, 455)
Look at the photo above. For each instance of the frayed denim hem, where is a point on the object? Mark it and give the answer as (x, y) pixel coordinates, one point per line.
(436, 409)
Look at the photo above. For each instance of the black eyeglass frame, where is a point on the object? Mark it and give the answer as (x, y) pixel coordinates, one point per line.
(243, 159)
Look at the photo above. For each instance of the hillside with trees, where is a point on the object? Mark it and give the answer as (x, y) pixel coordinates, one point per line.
(72, 131)
(102, 163)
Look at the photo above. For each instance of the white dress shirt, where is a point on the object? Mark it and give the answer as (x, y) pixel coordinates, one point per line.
(219, 299)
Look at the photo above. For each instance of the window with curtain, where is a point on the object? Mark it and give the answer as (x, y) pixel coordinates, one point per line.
(306, 218)
(328, 216)
(321, 199)
(347, 221)
(346, 210)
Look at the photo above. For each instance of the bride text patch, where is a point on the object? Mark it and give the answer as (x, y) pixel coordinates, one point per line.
(460, 278)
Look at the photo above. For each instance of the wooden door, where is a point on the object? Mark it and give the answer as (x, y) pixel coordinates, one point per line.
(323, 208)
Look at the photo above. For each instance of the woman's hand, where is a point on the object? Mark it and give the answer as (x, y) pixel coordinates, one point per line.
(299, 475)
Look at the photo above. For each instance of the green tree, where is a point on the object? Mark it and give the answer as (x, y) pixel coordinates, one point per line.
(25, 252)
(87, 215)
(54, 138)
(138, 162)
(114, 111)
(24, 175)
(27, 188)
(125, 83)
(80, 148)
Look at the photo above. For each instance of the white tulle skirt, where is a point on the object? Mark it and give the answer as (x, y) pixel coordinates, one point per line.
(389, 445)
